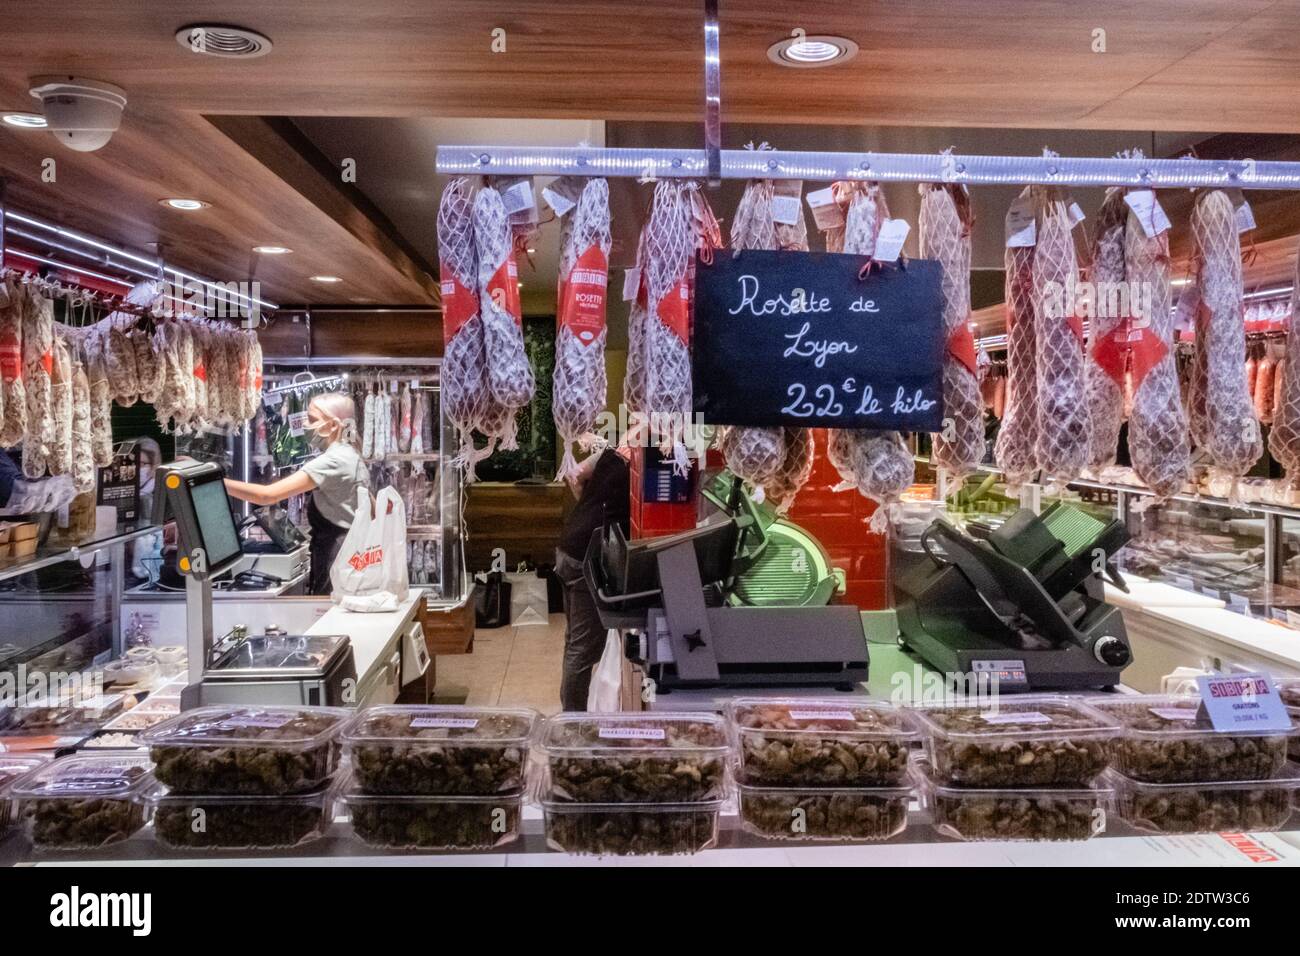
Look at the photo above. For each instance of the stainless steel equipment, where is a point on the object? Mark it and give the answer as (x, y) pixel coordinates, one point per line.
(278, 668)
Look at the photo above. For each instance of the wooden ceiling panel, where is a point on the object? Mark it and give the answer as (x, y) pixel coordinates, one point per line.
(1169, 64)
(114, 193)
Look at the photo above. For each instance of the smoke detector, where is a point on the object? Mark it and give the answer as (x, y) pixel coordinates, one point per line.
(212, 39)
(82, 114)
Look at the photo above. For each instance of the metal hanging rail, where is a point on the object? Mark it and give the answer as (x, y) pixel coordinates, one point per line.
(879, 167)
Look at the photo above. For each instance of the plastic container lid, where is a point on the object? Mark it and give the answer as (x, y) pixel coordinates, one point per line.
(1034, 717)
(594, 735)
(82, 776)
(1288, 689)
(1169, 716)
(284, 728)
(443, 726)
(855, 719)
(13, 767)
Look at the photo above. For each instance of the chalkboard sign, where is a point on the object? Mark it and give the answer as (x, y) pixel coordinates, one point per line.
(800, 339)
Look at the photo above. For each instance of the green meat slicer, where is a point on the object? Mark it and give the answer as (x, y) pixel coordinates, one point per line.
(1022, 602)
(744, 599)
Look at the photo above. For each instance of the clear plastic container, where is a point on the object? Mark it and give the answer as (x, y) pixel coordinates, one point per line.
(1288, 689)
(431, 750)
(1032, 741)
(171, 659)
(141, 718)
(1237, 806)
(433, 822)
(630, 829)
(800, 742)
(1016, 813)
(1167, 740)
(636, 757)
(246, 749)
(842, 814)
(84, 801)
(225, 822)
(123, 671)
(12, 768)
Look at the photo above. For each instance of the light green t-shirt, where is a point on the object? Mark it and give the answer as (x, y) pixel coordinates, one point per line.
(337, 471)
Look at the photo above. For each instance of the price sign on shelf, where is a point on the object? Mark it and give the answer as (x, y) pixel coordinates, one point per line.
(1242, 702)
(810, 339)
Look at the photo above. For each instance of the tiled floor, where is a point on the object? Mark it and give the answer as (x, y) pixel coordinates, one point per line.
(509, 666)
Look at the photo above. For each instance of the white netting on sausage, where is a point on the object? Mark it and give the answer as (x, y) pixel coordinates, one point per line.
(945, 228)
(1063, 430)
(877, 463)
(669, 245)
(1284, 439)
(580, 383)
(1157, 427)
(119, 353)
(59, 460)
(1102, 394)
(83, 464)
(101, 406)
(634, 378)
(509, 374)
(796, 468)
(466, 395)
(1016, 448)
(13, 302)
(1232, 435)
(755, 454)
(38, 361)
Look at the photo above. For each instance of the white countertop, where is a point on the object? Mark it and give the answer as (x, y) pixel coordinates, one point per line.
(374, 636)
(1210, 617)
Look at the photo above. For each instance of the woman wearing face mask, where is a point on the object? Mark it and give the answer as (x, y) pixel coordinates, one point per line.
(332, 477)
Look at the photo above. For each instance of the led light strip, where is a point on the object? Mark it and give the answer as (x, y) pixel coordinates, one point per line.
(153, 264)
(880, 167)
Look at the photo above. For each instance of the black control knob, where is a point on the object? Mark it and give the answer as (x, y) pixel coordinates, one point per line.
(1111, 651)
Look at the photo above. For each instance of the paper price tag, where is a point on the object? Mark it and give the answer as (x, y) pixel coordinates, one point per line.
(1242, 702)
(1243, 215)
(631, 733)
(449, 723)
(1076, 215)
(519, 197)
(557, 201)
(837, 716)
(631, 283)
(1148, 210)
(1021, 230)
(827, 213)
(889, 242)
(785, 210)
(297, 424)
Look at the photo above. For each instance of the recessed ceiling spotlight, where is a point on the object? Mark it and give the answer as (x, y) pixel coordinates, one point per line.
(805, 51)
(212, 39)
(25, 120)
(326, 279)
(188, 205)
(272, 250)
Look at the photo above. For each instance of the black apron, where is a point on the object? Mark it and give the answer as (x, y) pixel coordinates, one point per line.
(326, 539)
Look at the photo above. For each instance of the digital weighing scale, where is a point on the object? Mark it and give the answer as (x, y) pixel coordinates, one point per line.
(270, 668)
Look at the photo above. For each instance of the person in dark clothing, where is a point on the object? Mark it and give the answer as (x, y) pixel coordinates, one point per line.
(602, 488)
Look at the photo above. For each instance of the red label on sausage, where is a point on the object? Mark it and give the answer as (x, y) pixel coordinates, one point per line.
(961, 346)
(459, 305)
(47, 363)
(504, 289)
(200, 371)
(11, 358)
(673, 312)
(1076, 326)
(582, 300)
(1131, 347)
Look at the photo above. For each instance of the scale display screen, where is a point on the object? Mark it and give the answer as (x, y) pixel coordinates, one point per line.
(216, 523)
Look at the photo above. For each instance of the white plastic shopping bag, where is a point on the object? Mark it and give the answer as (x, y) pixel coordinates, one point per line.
(528, 601)
(607, 677)
(370, 571)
